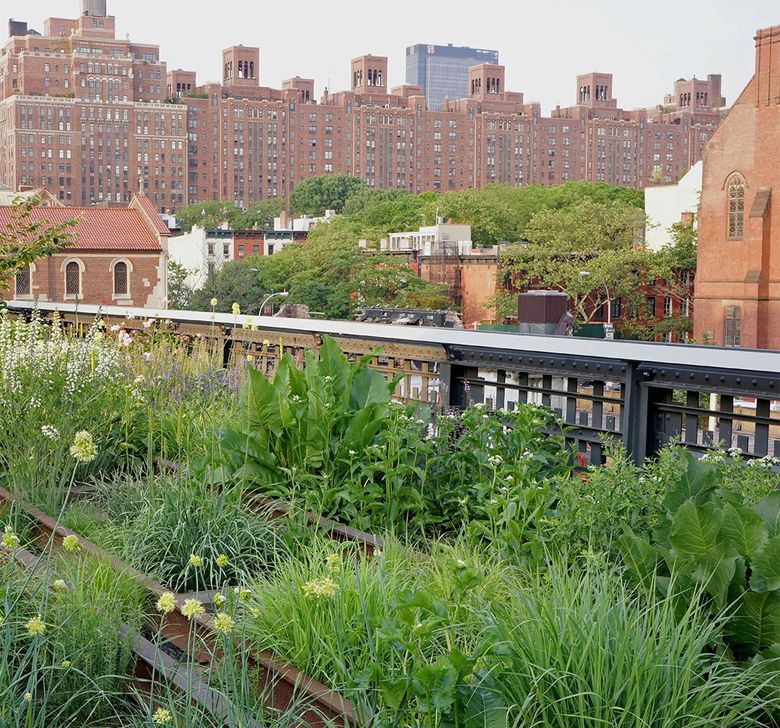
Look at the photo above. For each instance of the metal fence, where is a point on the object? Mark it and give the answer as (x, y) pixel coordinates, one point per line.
(641, 394)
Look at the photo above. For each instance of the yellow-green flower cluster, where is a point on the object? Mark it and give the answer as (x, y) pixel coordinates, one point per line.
(70, 543)
(36, 627)
(195, 561)
(223, 623)
(10, 539)
(166, 603)
(333, 562)
(192, 608)
(320, 589)
(222, 561)
(162, 716)
(83, 449)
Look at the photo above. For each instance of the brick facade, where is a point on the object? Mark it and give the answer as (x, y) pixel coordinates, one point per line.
(244, 142)
(738, 272)
(86, 272)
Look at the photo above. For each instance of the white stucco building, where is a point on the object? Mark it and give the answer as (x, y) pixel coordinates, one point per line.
(668, 205)
(200, 251)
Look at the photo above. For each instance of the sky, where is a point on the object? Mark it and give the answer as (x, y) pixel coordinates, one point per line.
(544, 45)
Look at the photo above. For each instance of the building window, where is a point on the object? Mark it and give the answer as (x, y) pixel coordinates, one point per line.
(72, 279)
(736, 200)
(651, 306)
(733, 326)
(616, 305)
(23, 282)
(121, 279)
(667, 306)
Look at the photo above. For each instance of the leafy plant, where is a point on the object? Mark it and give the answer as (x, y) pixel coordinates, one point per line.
(722, 552)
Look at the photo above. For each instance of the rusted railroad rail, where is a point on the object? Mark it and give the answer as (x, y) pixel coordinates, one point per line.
(281, 686)
(640, 394)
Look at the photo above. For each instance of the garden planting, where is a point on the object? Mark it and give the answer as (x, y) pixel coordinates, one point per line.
(181, 547)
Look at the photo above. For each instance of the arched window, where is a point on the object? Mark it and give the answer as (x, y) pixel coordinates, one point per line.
(72, 279)
(23, 282)
(121, 286)
(735, 194)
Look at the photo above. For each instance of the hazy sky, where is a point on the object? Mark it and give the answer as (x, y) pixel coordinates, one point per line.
(544, 45)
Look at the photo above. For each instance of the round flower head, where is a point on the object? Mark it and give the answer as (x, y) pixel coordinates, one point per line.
(236, 309)
(10, 539)
(218, 600)
(320, 589)
(28, 697)
(222, 561)
(166, 603)
(223, 623)
(83, 448)
(59, 585)
(213, 302)
(192, 608)
(36, 627)
(195, 560)
(162, 716)
(65, 664)
(70, 543)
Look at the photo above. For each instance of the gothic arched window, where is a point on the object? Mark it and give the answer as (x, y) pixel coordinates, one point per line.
(735, 194)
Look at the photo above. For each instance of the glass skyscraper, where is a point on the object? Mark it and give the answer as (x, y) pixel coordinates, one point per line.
(442, 71)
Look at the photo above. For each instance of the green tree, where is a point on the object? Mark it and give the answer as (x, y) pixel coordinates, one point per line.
(179, 293)
(234, 282)
(26, 238)
(589, 250)
(314, 195)
(207, 214)
(258, 215)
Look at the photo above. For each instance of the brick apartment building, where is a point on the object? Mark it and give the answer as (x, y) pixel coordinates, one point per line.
(119, 257)
(738, 272)
(93, 118)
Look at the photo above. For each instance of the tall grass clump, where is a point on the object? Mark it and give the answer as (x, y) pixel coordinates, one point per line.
(580, 649)
(188, 534)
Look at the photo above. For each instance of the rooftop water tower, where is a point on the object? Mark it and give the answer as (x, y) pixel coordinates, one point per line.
(96, 8)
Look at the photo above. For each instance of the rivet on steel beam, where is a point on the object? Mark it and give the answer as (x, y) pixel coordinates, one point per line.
(738, 380)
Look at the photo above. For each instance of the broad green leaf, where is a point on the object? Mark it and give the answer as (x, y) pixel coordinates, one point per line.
(766, 567)
(768, 508)
(435, 684)
(368, 386)
(756, 622)
(697, 482)
(393, 691)
(715, 570)
(333, 364)
(482, 707)
(743, 528)
(695, 528)
(639, 556)
(261, 405)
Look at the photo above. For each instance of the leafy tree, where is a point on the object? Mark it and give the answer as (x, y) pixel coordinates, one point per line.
(314, 195)
(234, 282)
(24, 239)
(369, 197)
(588, 250)
(179, 293)
(259, 214)
(206, 214)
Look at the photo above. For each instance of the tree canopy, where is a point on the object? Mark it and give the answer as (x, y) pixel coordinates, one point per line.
(212, 214)
(314, 195)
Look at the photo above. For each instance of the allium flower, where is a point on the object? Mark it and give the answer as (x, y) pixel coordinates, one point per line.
(162, 716)
(166, 603)
(223, 623)
(70, 543)
(10, 539)
(222, 561)
(83, 448)
(195, 561)
(192, 608)
(242, 593)
(52, 433)
(27, 697)
(320, 589)
(213, 302)
(334, 562)
(59, 585)
(65, 664)
(236, 309)
(218, 600)
(36, 627)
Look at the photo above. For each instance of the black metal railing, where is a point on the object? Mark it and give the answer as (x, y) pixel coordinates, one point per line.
(641, 394)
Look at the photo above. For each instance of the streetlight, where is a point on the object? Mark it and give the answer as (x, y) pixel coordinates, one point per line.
(609, 331)
(283, 294)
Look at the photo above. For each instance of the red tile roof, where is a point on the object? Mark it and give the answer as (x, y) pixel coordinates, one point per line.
(98, 228)
(151, 213)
